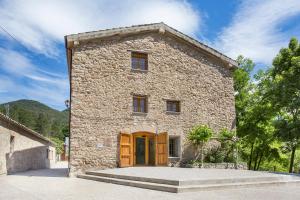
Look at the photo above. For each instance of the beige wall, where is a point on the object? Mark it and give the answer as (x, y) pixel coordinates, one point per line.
(28, 152)
(103, 84)
(4, 148)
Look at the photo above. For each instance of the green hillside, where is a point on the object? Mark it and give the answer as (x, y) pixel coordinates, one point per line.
(39, 117)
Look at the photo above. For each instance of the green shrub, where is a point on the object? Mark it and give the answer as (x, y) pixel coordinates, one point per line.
(198, 136)
(216, 155)
(59, 145)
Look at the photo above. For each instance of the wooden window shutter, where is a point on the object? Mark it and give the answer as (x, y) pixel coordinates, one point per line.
(162, 149)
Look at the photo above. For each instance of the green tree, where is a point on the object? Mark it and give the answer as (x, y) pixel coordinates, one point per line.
(242, 86)
(198, 136)
(56, 130)
(229, 144)
(285, 95)
(2, 110)
(254, 112)
(65, 131)
(42, 124)
(24, 117)
(288, 131)
(59, 145)
(13, 112)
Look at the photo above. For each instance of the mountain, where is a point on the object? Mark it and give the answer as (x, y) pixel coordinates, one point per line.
(39, 117)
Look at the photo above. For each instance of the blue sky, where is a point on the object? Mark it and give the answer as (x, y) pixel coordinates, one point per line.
(33, 64)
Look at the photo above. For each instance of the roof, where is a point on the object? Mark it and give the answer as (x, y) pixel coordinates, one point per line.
(74, 39)
(21, 126)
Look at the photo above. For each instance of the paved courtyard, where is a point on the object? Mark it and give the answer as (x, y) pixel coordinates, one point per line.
(53, 184)
(183, 174)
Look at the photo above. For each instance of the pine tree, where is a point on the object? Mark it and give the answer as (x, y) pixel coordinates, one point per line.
(42, 124)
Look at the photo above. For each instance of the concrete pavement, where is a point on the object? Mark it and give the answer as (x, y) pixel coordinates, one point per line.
(53, 184)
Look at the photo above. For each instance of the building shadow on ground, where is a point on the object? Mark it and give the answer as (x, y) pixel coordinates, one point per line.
(61, 171)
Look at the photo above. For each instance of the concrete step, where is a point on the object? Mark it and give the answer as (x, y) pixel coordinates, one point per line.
(185, 188)
(187, 182)
(230, 180)
(139, 184)
(196, 188)
(134, 178)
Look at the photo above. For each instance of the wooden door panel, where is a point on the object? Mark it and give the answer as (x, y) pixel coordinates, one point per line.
(126, 150)
(162, 149)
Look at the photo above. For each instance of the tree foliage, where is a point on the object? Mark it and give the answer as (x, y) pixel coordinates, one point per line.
(229, 143)
(285, 96)
(198, 136)
(59, 145)
(268, 107)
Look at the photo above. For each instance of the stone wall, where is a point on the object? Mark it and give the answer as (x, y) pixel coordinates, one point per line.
(24, 153)
(102, 85)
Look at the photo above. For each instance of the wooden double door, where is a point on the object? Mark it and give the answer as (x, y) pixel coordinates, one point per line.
(143, 148)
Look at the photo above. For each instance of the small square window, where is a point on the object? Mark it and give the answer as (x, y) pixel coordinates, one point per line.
(139, 61)
(173, 106)
(140, 104)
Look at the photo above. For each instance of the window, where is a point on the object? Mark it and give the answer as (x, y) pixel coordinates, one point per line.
(173, 106)
(173, 146)
(140, 104)
(139, 61)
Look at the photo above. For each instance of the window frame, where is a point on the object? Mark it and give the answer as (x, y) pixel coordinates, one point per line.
(139, 108)
(176, 147)
(139, 56)
(178, 106)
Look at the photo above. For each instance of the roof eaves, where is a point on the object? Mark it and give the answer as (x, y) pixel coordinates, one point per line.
(32, 132)
(148, 27)
(111, 32)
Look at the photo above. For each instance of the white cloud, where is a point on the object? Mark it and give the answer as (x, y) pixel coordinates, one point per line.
(26, 80)
(5, 84)
(18, 65)
(255, 29)
(51, 95)
(15, 63)
(41, 25)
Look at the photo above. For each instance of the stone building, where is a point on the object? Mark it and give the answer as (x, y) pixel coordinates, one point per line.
(23, 149)
(137, 91)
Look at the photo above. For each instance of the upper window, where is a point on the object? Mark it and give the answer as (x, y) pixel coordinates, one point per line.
(139, 61)
(173, 106)
(140, 104)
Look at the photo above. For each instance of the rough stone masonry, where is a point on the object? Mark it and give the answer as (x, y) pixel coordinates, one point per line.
(103, 84)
